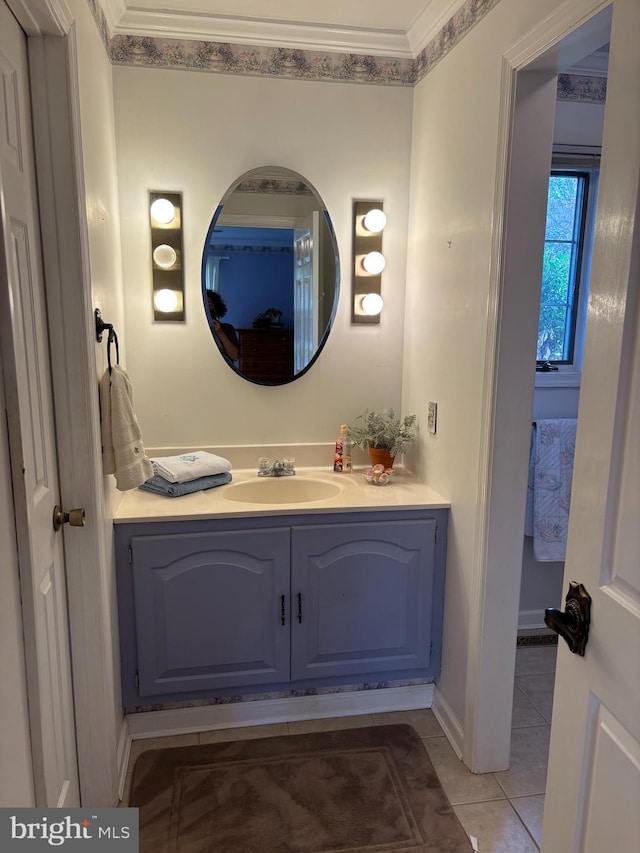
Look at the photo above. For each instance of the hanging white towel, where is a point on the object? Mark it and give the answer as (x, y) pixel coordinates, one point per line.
(123, 452)
(190, 466)
(549, 490)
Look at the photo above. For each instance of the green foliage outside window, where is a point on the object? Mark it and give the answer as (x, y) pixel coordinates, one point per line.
(561, 265)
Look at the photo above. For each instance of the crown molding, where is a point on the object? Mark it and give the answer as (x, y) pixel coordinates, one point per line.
(261, 33)
(46, 18)
(430, 22)
(113, 12)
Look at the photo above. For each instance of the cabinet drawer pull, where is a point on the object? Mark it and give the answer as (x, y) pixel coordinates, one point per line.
(300, 607)
(282, 611)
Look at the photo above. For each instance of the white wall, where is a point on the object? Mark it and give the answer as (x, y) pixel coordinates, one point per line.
(196, 133)
(453, 180)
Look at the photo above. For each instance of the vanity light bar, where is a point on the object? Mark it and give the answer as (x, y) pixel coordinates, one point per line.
(165, 223)
(368, 262)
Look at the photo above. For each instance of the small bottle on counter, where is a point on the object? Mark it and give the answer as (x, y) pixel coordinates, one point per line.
(342, 456)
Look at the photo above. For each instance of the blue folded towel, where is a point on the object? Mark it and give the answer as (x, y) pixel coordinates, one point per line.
(159, 486)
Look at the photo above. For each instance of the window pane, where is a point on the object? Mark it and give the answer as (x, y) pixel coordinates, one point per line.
(561, 207)
(562, 251)
(551, 333)
(556, 273)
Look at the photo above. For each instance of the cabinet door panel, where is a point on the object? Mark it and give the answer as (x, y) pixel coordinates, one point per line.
(209, 610)
(366, 598)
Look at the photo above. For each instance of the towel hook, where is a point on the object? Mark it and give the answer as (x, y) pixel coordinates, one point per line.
(100, 325)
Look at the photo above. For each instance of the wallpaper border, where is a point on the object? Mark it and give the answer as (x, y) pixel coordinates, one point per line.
(255, 61)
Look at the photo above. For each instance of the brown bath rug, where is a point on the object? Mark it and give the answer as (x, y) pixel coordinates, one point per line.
(369, 790)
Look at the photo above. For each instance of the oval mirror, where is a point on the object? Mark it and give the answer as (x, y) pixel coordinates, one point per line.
(270, 275)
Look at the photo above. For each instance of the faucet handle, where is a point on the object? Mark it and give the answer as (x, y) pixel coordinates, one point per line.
(265, 466)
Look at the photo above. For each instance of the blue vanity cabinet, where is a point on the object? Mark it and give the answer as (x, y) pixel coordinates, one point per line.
(210, 610)
(215, 608)
(364, 596)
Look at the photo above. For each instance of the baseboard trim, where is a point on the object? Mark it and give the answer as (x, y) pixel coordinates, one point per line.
(448, 722)
(262, 712)
(124, 750)
(531, 619)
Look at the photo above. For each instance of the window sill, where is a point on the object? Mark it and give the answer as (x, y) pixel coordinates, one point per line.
(562, 378)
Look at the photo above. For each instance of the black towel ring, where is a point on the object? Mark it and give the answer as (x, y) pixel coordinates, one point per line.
(113, 338)
(101, 327)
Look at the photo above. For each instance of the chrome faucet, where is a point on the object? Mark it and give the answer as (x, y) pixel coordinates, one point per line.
(267, 468)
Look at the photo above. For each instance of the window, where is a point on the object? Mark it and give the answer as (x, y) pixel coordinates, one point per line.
(566, 212)
(565, 267)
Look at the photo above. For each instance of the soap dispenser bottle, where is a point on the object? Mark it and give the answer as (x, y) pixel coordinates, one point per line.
(342, 456)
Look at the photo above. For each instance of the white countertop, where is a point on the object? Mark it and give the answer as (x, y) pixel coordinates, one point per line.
(356, 495)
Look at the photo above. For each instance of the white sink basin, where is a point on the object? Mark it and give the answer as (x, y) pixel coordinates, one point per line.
(281, 490)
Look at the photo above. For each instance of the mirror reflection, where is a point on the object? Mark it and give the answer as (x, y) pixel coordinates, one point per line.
(270, 275)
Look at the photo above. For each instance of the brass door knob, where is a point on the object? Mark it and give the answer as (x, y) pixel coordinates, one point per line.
(75, 517)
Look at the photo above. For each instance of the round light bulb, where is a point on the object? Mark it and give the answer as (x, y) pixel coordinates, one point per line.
(375, 220)
(372, 304)
(166, 300)
(374, 263)
(163, 211)
(164, 256)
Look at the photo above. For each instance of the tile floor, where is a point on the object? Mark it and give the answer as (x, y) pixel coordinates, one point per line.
(502, 810)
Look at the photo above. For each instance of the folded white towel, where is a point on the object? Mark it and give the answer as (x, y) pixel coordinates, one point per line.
(122, 448)
(189, 466)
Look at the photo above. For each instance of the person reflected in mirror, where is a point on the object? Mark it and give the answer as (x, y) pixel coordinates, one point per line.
(224, 332)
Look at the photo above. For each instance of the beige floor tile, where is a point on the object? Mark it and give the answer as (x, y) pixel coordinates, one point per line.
(531, 811)
(423, 721)
(496, 826)
(330, 724)
(527, 773)
(143, 744)
(533, 660)
(459, 783)
(524, 712)
(539, 691)
(244, 733)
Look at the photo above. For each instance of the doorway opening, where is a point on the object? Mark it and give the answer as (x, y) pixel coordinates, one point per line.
(530, 96)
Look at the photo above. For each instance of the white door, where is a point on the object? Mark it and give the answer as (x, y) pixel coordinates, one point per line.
(27, 377)
(592, 803)
(305, 297)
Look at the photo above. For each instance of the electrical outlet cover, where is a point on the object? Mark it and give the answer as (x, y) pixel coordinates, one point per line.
(432, 417)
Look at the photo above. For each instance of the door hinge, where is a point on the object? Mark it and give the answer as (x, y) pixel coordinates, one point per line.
(137, 680)
(436, 534)
(130, 555)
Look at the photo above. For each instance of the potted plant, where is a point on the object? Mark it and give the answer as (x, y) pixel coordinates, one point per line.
(268, 318)
(383, 434)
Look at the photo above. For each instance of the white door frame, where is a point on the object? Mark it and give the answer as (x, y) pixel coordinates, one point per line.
(90, 574)
(505, 435)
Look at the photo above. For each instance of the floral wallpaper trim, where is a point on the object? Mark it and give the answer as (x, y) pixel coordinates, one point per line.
(282, 694)
(181, 54)
(584, 90)
(262, 250)
(273, 185)
(101, 22)
(451, 34)
(318, 65)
